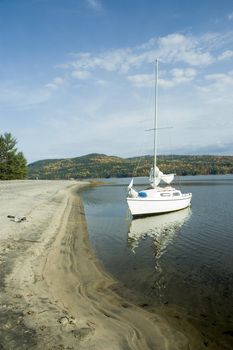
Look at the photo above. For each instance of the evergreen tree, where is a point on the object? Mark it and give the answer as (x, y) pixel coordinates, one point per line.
(13, 165)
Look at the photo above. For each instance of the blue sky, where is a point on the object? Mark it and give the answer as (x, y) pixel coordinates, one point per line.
(76, 76)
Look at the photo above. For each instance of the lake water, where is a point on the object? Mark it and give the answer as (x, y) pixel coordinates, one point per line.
(181, 260)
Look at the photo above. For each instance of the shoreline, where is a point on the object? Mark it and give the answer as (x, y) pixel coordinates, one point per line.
(56, 295)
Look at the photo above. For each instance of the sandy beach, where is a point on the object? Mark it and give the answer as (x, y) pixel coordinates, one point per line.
(54, 294)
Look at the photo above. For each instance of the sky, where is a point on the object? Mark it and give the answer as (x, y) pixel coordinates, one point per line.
(77, 76)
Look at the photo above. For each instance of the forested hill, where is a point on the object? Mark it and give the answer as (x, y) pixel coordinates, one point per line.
(103, 166)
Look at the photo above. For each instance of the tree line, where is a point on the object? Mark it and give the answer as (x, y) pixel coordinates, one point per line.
(13, 164)
(103, 166)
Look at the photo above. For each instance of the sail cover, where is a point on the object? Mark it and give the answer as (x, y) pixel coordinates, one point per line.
(157, 176)
(168, 178)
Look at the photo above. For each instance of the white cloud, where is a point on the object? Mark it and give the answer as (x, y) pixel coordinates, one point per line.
(95, 4)
(56, 82)
(180, 48)
(101, 82)
(194, 64)
(51, 86)
(177, 76)
(223, 77)
(217, 90)
(19, 97)
(109, 61)
(230, 16)
(83, 75)
(172, 49)
(221, 80)
(225, 55)
(141, 80)
(183, 75)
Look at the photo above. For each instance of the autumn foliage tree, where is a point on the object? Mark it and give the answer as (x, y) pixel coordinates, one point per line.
(13, 165)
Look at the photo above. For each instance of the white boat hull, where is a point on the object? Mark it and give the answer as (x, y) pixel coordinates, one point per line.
(150, 206)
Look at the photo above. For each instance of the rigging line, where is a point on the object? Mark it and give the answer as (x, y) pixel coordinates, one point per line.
(147, 111)
(138, 163)
(178, 176)
(139, 158)
(172, 159)
(169, 127)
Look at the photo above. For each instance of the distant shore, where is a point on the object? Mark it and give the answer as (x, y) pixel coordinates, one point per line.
(54, 295)
(104, 166)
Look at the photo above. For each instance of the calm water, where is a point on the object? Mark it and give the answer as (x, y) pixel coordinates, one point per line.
(181, 260)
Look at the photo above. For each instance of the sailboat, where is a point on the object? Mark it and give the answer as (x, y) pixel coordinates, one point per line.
(156, 199)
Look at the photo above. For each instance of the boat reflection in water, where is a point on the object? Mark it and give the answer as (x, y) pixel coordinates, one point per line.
(161, 228)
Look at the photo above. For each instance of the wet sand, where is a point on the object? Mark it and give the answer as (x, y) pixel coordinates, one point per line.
(54, 294)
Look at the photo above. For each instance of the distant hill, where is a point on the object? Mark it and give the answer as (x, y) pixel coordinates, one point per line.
(103, 166)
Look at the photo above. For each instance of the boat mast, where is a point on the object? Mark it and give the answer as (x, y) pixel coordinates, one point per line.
(155, 121)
